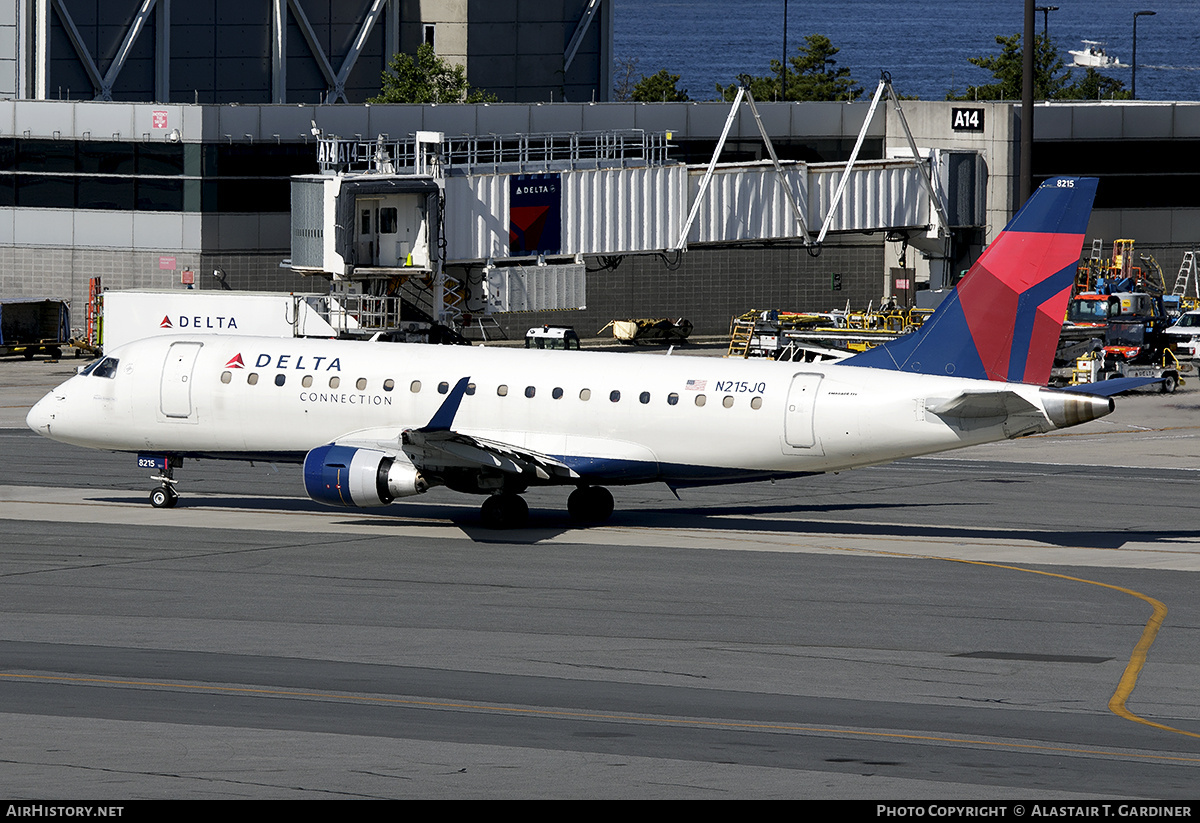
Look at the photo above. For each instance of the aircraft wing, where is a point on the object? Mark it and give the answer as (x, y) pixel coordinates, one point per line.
(433, 451)
(436, 447)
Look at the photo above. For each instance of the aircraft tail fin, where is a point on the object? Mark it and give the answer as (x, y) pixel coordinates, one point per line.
(1003, 320)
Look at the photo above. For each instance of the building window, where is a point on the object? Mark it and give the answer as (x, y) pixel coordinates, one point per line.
(430, 38)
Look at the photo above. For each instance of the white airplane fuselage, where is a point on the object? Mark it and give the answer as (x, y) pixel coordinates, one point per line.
(613, 418)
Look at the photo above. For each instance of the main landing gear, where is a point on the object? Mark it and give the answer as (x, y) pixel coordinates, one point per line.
(507, 510)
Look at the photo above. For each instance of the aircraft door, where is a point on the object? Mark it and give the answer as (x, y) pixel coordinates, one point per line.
(175, 395)
(798, 430)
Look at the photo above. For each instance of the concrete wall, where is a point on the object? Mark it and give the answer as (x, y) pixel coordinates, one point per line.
(710, 286)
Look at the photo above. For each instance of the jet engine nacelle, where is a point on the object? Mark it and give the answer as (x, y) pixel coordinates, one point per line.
(351, 476)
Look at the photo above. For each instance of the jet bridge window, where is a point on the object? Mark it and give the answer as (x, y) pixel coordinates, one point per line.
(387, 221)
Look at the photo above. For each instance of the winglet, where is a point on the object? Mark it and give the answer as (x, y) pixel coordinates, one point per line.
(1003, 320)
(443, 418)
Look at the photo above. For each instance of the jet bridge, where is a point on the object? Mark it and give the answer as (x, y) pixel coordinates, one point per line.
(423, 212)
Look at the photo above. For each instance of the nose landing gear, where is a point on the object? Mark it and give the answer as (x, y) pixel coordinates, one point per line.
(165, 496)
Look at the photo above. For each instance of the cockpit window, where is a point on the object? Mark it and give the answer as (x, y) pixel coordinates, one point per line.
(107, 367)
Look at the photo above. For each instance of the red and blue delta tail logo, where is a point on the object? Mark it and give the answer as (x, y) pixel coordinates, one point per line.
(235, 362)
(1003, 320)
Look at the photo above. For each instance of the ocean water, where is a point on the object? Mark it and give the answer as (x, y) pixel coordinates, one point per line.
(924, 44)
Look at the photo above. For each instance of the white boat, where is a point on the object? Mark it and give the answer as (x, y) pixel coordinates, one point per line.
(1094, 56)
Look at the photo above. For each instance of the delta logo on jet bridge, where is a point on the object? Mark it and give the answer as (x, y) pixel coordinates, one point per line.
(200, 322)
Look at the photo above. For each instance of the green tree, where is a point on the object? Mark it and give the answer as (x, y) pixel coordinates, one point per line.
(427, 78)
(1051, 79)
(659, 88)
(1096, 86)
(813, 74)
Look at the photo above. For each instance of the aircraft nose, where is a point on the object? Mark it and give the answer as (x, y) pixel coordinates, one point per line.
(41, 415)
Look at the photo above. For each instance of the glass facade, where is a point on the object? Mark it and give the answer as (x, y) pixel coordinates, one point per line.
(140, 176)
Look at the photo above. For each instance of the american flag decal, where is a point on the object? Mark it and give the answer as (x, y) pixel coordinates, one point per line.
(696, 385)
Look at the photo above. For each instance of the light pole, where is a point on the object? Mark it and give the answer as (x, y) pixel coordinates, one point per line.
(1133, 82)
(783, 62)
(1045, 10)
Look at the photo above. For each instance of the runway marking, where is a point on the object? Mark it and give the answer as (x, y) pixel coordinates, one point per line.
(1137, 660)
(621, 718)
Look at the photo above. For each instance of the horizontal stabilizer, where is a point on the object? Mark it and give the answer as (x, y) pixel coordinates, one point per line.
(1107, 388)
(977, 404)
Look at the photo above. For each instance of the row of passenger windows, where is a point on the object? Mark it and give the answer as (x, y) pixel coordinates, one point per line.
(502, 390)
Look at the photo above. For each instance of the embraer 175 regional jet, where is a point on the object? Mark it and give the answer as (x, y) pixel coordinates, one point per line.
(372, 421)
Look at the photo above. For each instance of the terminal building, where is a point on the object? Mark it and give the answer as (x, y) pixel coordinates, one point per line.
(133, 152)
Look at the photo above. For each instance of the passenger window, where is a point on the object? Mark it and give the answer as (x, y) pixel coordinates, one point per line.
(557, 393)
(530, 391)
(728, 401)
(307, 381)
(502, 390)
(226, 376)
(756, 402)
(361, 383)
(585, 394)
(334, 382)
(389, 384)
(280, 379)
(614, 396)
(644, 397)
(252, 378)
(672, 399)
(415, 386)
(444, 387)
(471, 388)
(700, 400)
